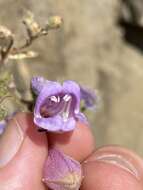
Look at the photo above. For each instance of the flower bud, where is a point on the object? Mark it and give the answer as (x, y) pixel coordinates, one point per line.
(54, 22)
(61, 172)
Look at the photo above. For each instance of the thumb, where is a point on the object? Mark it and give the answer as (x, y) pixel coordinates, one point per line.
(22, 154)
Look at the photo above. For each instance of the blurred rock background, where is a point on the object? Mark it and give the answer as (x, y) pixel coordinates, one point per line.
(100, 45)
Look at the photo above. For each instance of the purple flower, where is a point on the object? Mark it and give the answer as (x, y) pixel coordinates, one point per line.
(89, 97)
(2, 126)
(61, 172)
(57, 106)
(37, 84)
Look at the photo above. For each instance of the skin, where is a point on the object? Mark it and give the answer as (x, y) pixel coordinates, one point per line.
(24, 171)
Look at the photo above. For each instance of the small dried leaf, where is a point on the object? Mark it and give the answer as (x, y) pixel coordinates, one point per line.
(5, 32)
(3, 112)
(33, 28)
(23, 55)
(4, 82)
(6, 41)
(61, 172)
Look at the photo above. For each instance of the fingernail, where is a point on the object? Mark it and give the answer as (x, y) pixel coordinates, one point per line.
(120, 159)
(10, 142)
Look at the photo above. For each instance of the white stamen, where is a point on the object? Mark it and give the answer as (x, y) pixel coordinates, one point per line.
(66, 109)
(65, 116)
(54, 99)
(67, 98)
(38, 116)
(58, 99)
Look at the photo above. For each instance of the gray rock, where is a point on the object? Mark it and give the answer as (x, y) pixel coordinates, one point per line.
(132, 11)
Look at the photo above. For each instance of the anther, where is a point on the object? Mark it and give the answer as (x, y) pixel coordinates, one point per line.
(67, 97)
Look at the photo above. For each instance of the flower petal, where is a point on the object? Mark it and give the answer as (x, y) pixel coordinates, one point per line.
(72, 87)
(69, 125)
(50, 88)
(37, 83)
(82, 118)
(88, 96)
(55, 124)
(2, 126)
(61, 172)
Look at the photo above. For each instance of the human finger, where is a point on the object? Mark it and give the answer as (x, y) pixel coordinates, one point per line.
(77, 144)
(113, 167)
(22, 154)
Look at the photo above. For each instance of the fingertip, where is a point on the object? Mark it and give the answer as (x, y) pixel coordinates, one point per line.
(112, 167)
(25, 120)
(25, 169)
(103, 176)
(78, 143)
